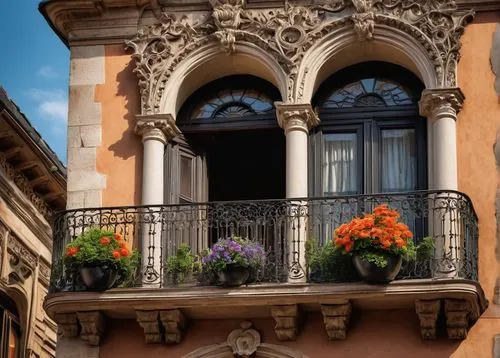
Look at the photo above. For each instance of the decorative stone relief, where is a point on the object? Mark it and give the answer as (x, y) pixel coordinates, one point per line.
(150, 322)
(24, 185)
(457, 318)
(67, 324)
(156, 127)
(93, 325)
(287, 33)
(244, 342)
(428, 312)
(336, 319)
(287, 322)
(174, 323)
(445, 100)
(296, 117)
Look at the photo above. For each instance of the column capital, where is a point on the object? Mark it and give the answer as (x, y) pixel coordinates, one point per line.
(292, 117)
(441, 100)
(160, 127)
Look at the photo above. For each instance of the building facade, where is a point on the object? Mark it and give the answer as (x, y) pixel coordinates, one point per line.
(193, 120)
(32, 188)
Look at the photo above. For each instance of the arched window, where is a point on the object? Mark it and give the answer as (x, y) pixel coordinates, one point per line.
(371, 137)
(240, 101)
(10, 331)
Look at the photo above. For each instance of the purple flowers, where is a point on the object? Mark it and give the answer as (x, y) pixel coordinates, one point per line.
(236, 251)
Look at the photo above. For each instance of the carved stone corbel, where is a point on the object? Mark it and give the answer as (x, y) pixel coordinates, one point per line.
(428, 312)
(226, 15)
(336, 319)
(457, 318)
(364, 19)
(67, 324)
(150, 322)
(174, 323)
(287, 322)
(93, 326)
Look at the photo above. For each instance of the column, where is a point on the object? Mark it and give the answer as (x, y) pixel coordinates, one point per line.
(296, 120)
(441, 107)
(155, 131)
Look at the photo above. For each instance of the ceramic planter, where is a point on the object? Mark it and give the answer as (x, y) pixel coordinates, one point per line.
(98, 277)
(234, 275)
(371, 273)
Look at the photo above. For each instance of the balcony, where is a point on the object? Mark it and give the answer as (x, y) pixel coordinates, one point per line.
(446, 279)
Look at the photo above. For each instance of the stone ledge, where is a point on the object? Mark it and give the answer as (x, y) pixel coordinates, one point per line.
(398, 294)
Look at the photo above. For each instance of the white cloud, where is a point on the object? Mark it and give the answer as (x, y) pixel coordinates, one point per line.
(52, 106)
(47, 72)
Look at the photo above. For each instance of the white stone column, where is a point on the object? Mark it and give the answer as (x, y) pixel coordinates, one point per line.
(155, 130)
(441, 107)
(296, 120)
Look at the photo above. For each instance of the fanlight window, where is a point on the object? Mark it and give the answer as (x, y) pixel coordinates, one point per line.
(230, 103)
(369, 92)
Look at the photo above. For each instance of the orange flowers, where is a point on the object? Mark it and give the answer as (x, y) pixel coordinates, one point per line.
(116, 254)
(118, 237)
(72, 251)
(380, 230)
(105, 241)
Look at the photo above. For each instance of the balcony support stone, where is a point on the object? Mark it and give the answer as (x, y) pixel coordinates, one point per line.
(428, 311)
(156, 131)
(287, 322)
(336, 318)
(150, 322)
(174, 323)
(296, 120)
(93, 327)
(458, 316)
(67, 324)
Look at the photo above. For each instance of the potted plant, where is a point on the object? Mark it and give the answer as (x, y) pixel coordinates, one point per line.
(103, 259)
(233, 261)
(182, 265)
(377, 242)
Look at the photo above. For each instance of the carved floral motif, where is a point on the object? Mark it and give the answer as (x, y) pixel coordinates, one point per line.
(287, 33)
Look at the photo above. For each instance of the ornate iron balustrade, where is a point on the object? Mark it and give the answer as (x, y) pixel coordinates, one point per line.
(282, 228)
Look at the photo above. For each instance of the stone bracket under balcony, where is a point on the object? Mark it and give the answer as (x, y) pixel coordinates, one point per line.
(163, 313)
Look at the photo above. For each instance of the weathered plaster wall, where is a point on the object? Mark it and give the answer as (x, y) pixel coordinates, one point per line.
(477, 127)
(371, 334)
(120, 155)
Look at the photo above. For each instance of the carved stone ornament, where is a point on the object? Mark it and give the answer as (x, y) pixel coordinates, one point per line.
(287, 33)
(174, 324)
(296, 117)
(244, 341)
(67, 324)
(336, 319)
(446, 101)
(150, 322)
(93, 326)
(287, 322)
(428, 311)
(458, 317)
(156, 127)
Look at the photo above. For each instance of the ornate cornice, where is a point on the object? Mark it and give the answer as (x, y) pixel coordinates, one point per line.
(296, 117)
(24, 185)
(441, 100)
(156, 127)
(287, 33)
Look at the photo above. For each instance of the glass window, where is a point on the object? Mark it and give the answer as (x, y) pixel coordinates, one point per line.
(9, 329)
(340, 164)
(399, 160)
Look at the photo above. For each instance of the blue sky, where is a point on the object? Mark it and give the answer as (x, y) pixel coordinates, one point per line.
(34, 70)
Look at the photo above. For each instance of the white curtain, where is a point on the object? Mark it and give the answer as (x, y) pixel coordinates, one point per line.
(340, 164)
(399, 162)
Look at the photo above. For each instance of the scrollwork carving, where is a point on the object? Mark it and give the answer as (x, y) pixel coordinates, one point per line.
(244, 341)
(288, 33)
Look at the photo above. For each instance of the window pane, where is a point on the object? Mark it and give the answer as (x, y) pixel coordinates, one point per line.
(340, 164)
(13, 340)
(186, 186)
(399, 160)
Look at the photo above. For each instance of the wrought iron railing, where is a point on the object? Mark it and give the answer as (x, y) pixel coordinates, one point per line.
(282, 227)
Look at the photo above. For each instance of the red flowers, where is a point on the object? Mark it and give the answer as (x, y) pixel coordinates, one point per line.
(379, 230)
(72, 251)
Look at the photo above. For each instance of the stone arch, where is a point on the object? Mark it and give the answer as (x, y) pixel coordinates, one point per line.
(210, 63)
(342, 48)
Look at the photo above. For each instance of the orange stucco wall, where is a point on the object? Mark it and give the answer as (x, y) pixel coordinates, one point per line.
(477, 128)
(371, 334)
(120, 155)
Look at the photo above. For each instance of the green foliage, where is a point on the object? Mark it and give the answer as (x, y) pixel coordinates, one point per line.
(181, 265)
(328, 264)
(378, 258)
(421, 252)
(96, 247)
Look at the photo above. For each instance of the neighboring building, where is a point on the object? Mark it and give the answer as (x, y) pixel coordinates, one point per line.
(188, 107)
(32, 188)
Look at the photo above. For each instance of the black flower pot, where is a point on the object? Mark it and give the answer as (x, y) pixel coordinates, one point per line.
(234, 275)
(371, 273)
(99, 277)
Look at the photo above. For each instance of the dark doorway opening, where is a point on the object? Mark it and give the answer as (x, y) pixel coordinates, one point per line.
(246, 165)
